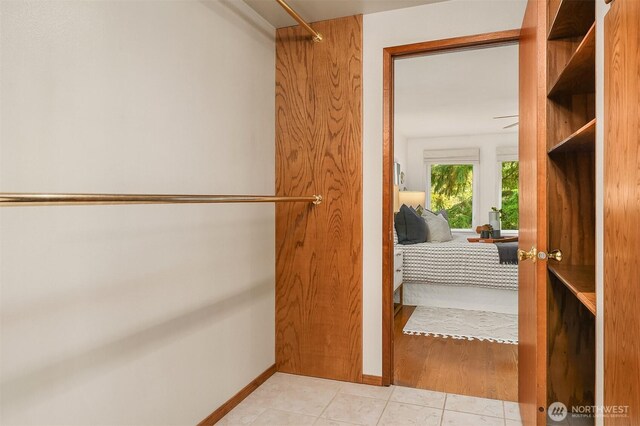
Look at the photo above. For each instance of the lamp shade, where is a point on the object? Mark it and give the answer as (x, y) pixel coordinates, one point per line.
(412, 198)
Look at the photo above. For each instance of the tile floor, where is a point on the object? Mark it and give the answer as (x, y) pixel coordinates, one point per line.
(286, 399)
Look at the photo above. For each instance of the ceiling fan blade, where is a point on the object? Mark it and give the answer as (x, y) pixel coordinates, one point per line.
(511, 125)
(505, 116)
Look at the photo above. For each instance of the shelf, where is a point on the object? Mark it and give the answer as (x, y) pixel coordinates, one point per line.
(573, 18)
(396, 308)
(580, 280)
(583, 139)
(579, 75)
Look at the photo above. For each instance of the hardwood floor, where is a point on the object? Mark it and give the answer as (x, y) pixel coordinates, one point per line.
(483, 369)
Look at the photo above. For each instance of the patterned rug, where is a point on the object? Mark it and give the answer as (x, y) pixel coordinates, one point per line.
(463, 324)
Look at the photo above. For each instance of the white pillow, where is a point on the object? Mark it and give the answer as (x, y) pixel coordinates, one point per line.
(439, 230)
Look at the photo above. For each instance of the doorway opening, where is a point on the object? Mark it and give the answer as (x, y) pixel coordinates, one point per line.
(451, 178)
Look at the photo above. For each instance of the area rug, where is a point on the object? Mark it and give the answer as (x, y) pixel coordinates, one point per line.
(463, 324)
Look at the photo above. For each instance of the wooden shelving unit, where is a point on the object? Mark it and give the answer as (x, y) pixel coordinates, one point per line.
(583, 139)
(578, 76)
(580, 280)
(571, 18)
(571, 126)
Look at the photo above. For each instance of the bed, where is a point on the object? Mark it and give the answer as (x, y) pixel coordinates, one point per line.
(457, 262)
(458, 274)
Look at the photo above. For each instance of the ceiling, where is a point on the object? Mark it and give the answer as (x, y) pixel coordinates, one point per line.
(457, 93)
(319, 10)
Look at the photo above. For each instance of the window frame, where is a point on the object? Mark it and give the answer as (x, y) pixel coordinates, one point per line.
(504, 159)
(475, 187)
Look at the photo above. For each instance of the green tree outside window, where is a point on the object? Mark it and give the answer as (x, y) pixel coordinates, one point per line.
(509, 194)
(452, 190)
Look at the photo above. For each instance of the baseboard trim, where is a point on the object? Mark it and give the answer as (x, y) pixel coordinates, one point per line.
(236, 399)
(372, 380)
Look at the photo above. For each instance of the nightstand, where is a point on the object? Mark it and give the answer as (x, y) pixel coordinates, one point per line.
(398, 259)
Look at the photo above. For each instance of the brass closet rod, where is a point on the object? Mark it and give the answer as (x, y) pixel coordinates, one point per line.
(9, 199)
(317, 37)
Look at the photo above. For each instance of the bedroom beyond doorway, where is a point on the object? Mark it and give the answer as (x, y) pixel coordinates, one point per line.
(454, 217)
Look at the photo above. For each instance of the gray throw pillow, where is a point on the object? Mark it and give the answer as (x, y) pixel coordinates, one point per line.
(443, 212)
(411, 228)
(439, 230)
(428, 213)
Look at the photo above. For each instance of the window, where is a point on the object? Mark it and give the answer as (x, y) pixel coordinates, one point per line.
(452, 184)
(509, 174)
(452, 189)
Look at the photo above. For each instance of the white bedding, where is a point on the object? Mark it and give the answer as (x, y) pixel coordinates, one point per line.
(457, 262)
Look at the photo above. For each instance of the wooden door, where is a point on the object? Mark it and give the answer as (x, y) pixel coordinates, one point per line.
(622, 210)
(532, 275)
(319, 249)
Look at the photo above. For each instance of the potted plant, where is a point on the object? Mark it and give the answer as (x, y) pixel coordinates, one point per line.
(484, 230)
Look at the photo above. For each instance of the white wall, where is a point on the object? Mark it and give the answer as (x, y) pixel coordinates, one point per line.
(400, 151)
(134, 314)
(487, 175)
(403, 26)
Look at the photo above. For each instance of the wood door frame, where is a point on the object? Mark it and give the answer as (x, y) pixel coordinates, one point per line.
(492, 39)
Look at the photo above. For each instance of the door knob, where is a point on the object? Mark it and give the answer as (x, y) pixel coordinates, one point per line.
(553, 254)
(531, 254)
(556, 255)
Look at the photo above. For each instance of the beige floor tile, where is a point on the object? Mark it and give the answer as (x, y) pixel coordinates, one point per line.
(473, 405)
(282, 418)
(455, 418)
(286, 399)
(418, 396)
(312, 382)
(401, 414)
(511, 410)
(355, 409)
(243, 414)
(378, 392)
(328, 422)
(305, 396)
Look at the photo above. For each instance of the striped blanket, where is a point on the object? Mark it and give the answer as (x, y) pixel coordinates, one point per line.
(457, 262)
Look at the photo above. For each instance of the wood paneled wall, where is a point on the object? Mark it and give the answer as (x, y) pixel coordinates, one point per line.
(572, 220)
(622, 210)
(319, 249)
(571, 354)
